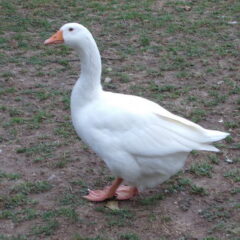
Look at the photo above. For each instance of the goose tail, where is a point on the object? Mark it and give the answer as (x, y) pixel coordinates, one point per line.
(215, 136)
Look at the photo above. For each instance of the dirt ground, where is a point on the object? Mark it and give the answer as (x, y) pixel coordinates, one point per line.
(183, 55)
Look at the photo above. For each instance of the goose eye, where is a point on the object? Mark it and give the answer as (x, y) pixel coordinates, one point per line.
(70, 29)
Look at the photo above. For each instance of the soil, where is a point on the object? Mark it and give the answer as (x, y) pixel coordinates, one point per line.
(38, 143)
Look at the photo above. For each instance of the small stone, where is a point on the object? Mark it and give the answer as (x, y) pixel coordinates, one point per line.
(53, 176)
(187, 8)
(220, 82)
(107, 80)
(233, 22)
(228, 160)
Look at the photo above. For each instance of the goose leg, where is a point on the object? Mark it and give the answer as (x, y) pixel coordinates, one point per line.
(106, 193)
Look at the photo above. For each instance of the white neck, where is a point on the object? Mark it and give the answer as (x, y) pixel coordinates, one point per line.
(88, 86)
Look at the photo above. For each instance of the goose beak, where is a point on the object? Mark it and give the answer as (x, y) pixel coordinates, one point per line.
(55, 38)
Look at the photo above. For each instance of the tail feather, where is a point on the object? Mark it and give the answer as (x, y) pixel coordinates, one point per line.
(216, 135)
(191, 135)
(207, 147)
(213, 136)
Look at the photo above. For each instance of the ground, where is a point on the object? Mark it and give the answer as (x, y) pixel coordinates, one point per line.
(183, 55)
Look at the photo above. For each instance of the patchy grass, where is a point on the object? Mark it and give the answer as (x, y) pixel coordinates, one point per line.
(201, 169)
(233, 175)
(119, 218)
(152, 199)
(183, 55)
(129, 236)
(16, 200)
(9, 176)
(45, 229)
(32, 187)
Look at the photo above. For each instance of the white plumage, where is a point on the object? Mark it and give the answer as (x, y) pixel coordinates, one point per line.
(140, 141)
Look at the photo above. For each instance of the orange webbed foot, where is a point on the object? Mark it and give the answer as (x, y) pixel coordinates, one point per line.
(120, 192)
(126, 192)
(99, 195)
(106, 193)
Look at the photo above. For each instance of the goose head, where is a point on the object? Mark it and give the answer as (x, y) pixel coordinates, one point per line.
(72, 34)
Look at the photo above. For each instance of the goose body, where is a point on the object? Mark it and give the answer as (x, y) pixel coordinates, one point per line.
(142, 143)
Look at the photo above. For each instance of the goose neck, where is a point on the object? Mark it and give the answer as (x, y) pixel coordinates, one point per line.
(88, 85)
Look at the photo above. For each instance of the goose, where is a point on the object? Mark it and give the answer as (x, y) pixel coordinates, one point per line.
(141, 143)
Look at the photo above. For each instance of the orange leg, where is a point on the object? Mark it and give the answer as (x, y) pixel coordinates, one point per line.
(106, 193)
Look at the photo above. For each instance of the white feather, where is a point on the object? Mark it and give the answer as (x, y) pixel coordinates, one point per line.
(139, 140)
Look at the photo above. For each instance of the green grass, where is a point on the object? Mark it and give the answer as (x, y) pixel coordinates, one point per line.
(7, 91)
(129, 236)
(185, 184)
(77, 236)
(44, 149)
(46, 229)
(61, 164)
(215, 212)
(32, 187)
(209, 238)
(197, 190)
(120, 218)
(19, 216)
(201, 169)
(235, 190)
(16, 200)
(234, 175)
(68, 213)
(154, 199)
(214, 158)
(9, 176)
(64, 129)
(70, 199)
(198, 115)
(17, 237)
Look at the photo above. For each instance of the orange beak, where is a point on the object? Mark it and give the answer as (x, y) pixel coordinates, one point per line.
(55, 38)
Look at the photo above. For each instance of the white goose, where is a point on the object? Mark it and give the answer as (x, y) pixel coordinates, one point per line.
(142, 143)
